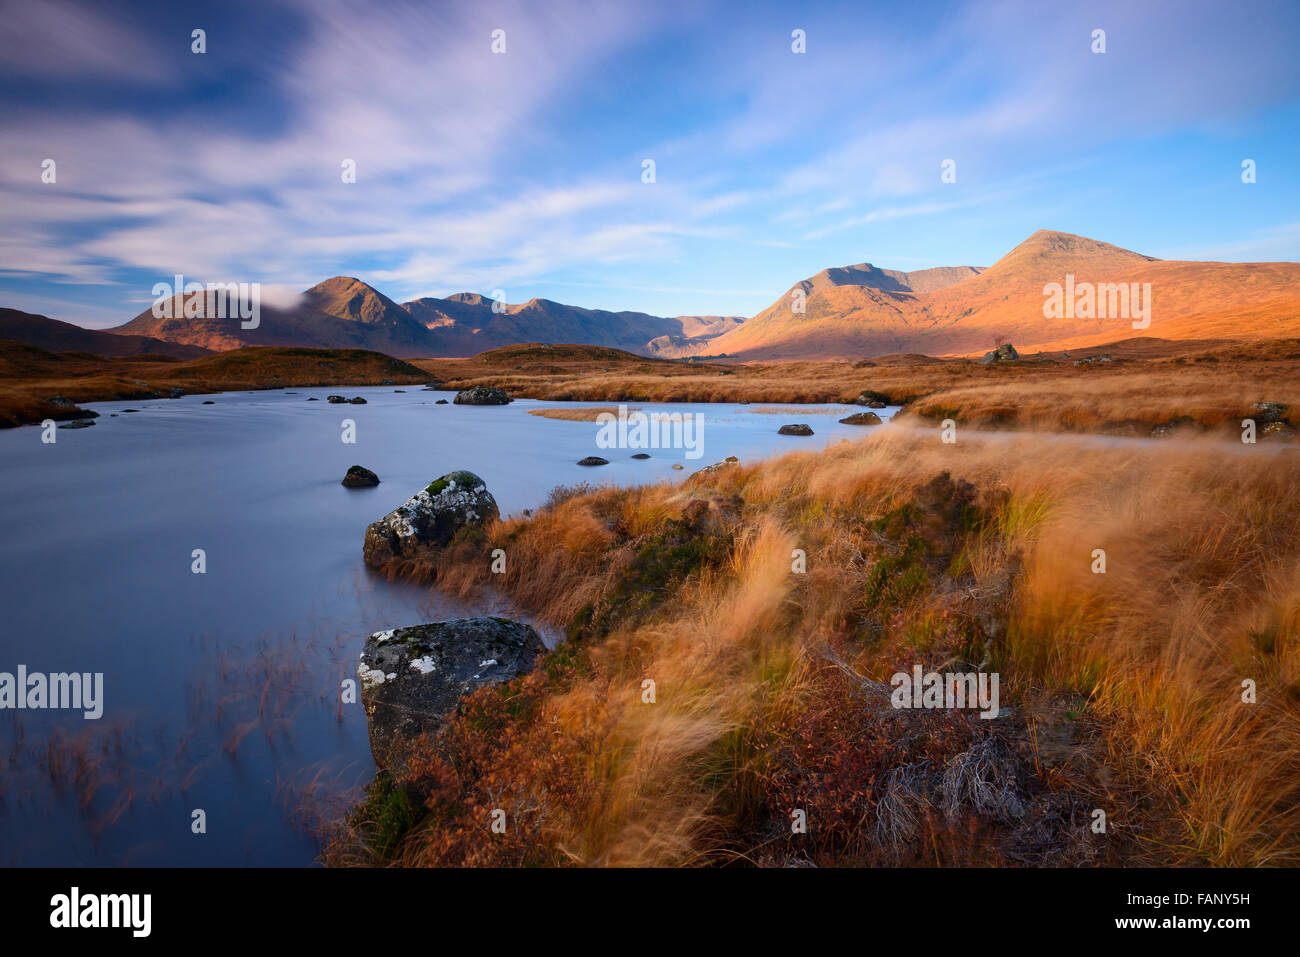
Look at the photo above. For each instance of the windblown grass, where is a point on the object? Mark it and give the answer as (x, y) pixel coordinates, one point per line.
(771, 686)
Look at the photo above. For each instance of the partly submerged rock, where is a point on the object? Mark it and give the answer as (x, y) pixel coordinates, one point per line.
(441, 402)
(430, 518)
(861, 418)
(593, 460)
(797, 429)
(359, 477)
(641, 455)
(412, 679)
(77, 424)
(356, 400)
(335, 399)
(482, 395)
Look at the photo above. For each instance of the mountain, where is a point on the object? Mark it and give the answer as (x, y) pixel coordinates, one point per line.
(862, 310)
(345, 312)
(466, 324)
(52, 335)
(339, 313)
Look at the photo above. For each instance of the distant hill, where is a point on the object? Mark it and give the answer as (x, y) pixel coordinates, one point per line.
(861, 310)
(53, 335)
(345, 312)
(339, 313)
(465, 324)
(845, 312)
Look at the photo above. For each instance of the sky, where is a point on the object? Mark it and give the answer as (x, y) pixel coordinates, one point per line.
(525, 170)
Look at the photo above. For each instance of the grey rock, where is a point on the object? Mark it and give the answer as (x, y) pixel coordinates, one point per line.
(430, 518)
(1003, 353)
(872, 399)
(799, 429)
(729, 462)
(413, 679)
(861, 418)
(482, 395)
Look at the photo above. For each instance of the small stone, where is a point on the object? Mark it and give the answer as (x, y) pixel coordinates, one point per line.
(593, 460)
(359, 477)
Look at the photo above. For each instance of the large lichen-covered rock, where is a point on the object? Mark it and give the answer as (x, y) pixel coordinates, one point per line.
(413, 679)
(482, 395)
(430, 518)
(1003, 353)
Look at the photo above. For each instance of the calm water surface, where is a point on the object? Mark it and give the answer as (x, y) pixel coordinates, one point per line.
(221, 689)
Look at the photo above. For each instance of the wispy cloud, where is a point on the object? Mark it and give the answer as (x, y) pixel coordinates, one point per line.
(483, 171)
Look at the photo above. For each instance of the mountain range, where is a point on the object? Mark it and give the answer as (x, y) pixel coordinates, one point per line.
(842, 312)
(858, 311)
(344, 312)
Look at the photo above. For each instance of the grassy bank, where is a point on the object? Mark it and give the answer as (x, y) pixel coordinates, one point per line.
(30, 377)
(1138, 387)
(1122, 691)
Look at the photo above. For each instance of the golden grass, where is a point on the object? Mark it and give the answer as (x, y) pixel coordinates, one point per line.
(1150, 384)
(1126, 685)
(793, 410)
(31, 376)
(587, 414)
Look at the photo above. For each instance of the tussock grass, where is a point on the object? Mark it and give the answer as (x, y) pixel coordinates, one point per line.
(1124, 688)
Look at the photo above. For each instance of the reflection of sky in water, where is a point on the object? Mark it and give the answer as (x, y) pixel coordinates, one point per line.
(221, 690)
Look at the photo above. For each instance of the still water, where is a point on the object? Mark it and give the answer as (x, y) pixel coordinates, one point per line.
(221, 689)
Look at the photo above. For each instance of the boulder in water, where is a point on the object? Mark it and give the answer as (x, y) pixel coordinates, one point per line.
(430, 518)
(861, 418)
(482, 395)
(359, 477)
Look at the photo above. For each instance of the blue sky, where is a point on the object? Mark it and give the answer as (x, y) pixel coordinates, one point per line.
(523, 171)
